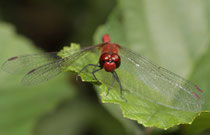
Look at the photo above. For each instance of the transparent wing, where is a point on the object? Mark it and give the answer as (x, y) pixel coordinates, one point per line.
(160, 85)
(25, 63)
(42, 67)
(43, 73)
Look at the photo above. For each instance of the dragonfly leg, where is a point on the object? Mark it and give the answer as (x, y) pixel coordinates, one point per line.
(111, 84)
(96, 66)
(121, 90)
(85, 68)
(93, 73)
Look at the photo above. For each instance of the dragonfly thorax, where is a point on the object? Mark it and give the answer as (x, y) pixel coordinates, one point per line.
(109, 61)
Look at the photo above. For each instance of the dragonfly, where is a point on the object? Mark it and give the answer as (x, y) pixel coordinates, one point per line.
(129, 70)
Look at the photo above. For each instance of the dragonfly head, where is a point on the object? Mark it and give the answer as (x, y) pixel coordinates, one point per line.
(109, 61)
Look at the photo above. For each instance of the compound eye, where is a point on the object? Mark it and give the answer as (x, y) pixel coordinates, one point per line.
(115, 58)
(105, 57)
(109, 66)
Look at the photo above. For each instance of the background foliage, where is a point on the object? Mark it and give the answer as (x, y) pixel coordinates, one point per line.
(174, 34)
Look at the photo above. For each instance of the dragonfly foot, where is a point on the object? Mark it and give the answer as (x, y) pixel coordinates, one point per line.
(77, 76)
(124, 99)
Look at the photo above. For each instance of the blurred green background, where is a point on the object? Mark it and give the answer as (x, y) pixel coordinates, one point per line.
(176, 36)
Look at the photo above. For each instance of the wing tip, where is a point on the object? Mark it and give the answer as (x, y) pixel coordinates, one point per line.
(12, 58)
(196, 87)
(31, 71)
(4, 66)
(196, 96)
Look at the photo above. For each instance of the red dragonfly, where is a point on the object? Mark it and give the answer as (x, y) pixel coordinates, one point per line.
(139, 76)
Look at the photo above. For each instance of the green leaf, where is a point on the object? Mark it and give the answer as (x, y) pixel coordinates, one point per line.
(138, 108)
(171, 35)
(22, 106)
